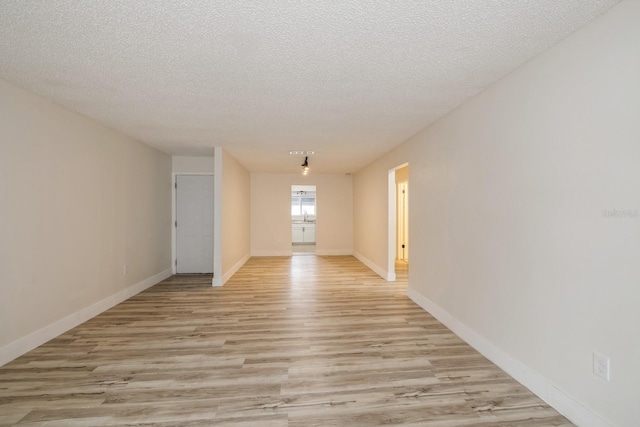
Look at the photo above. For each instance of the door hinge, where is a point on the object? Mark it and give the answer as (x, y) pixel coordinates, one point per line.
(176, 262)
(176, 185)
(176, 223)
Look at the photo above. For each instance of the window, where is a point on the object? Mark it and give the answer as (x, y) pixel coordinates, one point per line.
(303, 204)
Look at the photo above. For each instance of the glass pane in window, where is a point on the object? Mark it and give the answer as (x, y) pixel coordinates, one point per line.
(309, 205)
(295, 206)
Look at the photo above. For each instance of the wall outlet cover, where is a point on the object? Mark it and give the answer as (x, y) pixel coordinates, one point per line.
(601, 365)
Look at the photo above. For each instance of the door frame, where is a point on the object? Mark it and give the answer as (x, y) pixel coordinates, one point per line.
(392, 224)
(174, 240)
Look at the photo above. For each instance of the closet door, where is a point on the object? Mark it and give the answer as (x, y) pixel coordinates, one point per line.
(194, 223)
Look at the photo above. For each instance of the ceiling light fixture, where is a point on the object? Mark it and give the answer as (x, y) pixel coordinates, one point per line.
(305, 166)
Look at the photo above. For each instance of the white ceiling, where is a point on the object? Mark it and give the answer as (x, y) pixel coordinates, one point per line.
(348, 79)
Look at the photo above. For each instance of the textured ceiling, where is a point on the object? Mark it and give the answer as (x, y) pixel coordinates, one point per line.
(350, 80)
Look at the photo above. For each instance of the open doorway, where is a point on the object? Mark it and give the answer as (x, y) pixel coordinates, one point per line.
(398, 238)
(402, 214)
(303, 219)
(402, 223)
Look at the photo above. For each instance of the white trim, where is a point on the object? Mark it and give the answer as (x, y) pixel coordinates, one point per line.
(231, 272)
(217, 218)
(542, 387)
(276, 252)
(389, 277)
(321, 252)
(174, 241)
(27, 343)
(391, 225)
(334, 252)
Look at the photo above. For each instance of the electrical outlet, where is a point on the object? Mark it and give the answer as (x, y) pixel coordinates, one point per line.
(124, 269)
(601, 365)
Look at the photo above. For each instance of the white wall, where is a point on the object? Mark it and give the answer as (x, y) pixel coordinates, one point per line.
(271, 213)
(234, 206)
(78, 203)
(511, 244)
(195, 165)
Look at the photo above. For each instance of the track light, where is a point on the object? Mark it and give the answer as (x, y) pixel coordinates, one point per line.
(305, 166)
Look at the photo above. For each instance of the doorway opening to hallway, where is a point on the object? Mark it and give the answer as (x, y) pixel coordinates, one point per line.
(402, 214)
(398, 236)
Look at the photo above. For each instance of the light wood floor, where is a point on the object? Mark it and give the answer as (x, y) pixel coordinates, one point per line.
(300, 341)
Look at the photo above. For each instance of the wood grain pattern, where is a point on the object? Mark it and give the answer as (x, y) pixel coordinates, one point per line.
(288, 341)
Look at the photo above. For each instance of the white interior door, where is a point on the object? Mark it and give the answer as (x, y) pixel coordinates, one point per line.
(194, 223)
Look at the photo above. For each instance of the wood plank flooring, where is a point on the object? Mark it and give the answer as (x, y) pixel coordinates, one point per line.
(290, 341)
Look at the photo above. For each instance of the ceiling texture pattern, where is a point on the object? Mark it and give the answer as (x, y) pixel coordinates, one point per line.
(347, 79)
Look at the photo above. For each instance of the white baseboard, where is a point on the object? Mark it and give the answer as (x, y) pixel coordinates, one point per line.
(27, 343)
(226, 276)
(323, 252)
(560, 401)
(288, 252)
(334, 252)
(390, 277)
